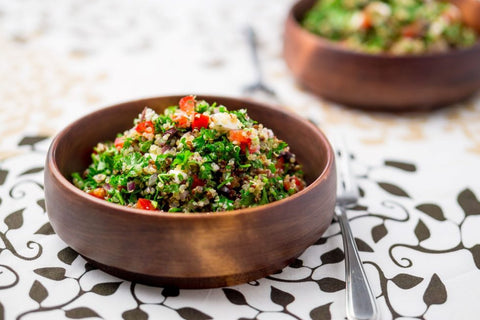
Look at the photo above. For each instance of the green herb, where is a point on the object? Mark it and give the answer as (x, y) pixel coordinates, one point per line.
(195, 169)
(390, 26)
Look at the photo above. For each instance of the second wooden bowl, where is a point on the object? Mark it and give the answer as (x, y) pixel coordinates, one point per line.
(381, 82)
(188, 250)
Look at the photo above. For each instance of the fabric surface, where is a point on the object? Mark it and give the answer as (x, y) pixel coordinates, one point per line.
(416, 224)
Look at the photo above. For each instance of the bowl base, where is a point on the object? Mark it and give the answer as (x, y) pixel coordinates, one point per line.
(394, 108)
(187, 282)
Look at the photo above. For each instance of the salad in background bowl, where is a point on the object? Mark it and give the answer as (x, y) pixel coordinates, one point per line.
(394, 26)
(358, 68)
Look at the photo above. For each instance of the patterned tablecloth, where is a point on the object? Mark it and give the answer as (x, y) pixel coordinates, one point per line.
(417, 225)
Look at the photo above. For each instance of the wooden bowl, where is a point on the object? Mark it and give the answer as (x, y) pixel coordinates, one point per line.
(188, 250)
(378, 82)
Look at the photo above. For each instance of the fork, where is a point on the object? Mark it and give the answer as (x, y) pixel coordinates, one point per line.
(360, 303)
(259, 84)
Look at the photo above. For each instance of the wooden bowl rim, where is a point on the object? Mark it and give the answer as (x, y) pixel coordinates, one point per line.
(336, 47)
(53, 167)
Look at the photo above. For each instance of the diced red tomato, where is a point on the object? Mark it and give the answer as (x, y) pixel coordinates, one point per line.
(240, 138)
(197, 182)
(98, 192)
(119, 141)
(145, 126)
(366, 21)
(298, 183)
(280, 163)
(412, 30)
(144, 204)
(181, 120)
(253, 149)
(187, 104)
(293, 183)
(200, 121)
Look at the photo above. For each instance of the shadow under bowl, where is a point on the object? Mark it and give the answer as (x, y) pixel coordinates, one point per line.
(198, 250)
(382, 81)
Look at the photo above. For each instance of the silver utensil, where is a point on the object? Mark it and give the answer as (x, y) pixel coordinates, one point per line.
(259, 84)
(360, 302)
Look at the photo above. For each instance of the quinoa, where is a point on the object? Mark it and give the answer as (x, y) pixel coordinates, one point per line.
(195, 157)
(396, 27)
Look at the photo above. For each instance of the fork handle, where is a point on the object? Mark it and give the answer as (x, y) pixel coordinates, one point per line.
(359, 298)
(252, 41)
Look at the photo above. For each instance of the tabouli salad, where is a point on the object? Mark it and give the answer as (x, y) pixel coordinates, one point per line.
(390, 26)
(196, 157)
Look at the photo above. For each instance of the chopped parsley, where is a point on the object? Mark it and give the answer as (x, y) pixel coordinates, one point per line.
(195, 157)
(397, 27)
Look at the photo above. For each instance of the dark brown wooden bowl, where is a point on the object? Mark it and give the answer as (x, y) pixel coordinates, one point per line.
(378, 82)
(188, 250)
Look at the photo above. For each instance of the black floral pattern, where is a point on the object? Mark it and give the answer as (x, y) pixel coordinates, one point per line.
(36, 262)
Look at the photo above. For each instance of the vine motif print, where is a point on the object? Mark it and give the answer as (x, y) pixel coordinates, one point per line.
(384, 207)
